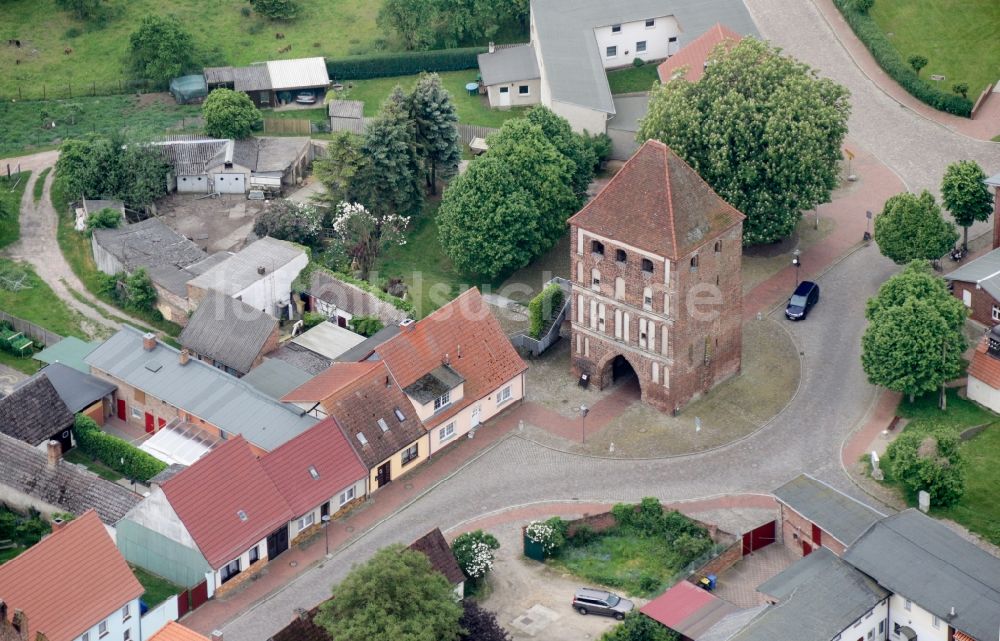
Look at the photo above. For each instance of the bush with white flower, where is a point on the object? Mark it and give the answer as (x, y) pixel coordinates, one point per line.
(474, 553)
(548, 534)
(365, 235)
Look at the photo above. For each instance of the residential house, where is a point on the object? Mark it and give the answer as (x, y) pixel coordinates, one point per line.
(983, 384)
(641, 249)
(977, 283)
(691, 61)
(434, 546)
(328, 340)
(341, 301)
(303, 628)
(174, 631)
(373, 414)
(274, 82)
(80, 393)
(31, 479)
(260, 275)
(229, 334)
(347, 115)
(815, 515)
(73, 585)
(146, 244)
(572, 45)
(171, 282)
(158, 384)
(70, 351)
(35, 414)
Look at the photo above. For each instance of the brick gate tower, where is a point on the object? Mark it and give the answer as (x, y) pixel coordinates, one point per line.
(657, 285)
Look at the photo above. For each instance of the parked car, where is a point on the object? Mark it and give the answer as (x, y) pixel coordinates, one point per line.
(306, 98)
(591, 601)
(805, 296)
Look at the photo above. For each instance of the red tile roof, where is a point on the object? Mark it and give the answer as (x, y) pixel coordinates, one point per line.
(465, 332)
(696, 52)
(687, 609)
(985, 367)
(209, 495)
(328, 382)
(323, 448)
(174, 631)
(658, 203)
(438, 552)
(70, 581)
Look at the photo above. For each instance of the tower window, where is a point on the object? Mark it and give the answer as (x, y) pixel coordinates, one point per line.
(647, 265)
(694, 263)
(718, 246)
(620, 255)
(597, 247)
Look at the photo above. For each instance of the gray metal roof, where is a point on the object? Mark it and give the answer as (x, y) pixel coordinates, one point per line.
(298, 73)
(301, 358)
(329, 340)
(568, 47)
(199, 389)
(69, 351)
(218, 75)
(821, 595)
(275, 377)
(251, 78)
(228, 331)
(434, 384)
(188, 155)
(839, 515)
(508, 65)
(69, 487)
(241, 269)
(984, 271)
(363, 350)
(353, 109)
(92, 206)
(724, 629)
(993, 181)
(148, 244)
(168, 473)
(277, 154)
(78, 390)
(172, 278)
(914, 556)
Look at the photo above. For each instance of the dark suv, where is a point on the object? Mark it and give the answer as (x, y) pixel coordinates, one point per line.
(590, 601)
(806, 295)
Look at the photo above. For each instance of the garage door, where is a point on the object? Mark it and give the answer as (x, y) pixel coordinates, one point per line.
(230, 183)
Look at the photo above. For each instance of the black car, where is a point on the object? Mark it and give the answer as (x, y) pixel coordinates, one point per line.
(806, 295)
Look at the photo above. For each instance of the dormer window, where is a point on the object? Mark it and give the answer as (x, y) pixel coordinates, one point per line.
(620, 256)
(597, 247)
(382, 425)
(442, 401)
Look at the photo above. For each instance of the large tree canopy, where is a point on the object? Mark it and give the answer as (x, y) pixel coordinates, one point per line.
(911, 227)
(160, 49)
(762, 129)
(965, 195)
(570, 144)
(101, 167)
(436, 123)
(229, 114)
(389, 179)
(430, 24)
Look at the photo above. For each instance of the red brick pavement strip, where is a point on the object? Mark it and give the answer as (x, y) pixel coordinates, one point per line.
(858, 443)
(983, 127)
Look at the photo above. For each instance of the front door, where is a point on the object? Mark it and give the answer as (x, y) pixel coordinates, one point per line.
(65, 439)
(475, 418)
(150, 423)
(324, 510)
(504, 96)
(121, 409)
(806, 549)
(277, 541)
(384, 474)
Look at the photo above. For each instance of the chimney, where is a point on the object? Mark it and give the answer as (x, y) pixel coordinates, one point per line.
(493, 47)
(302, 613)
(261, 270)
(184, 356)
(20, 623)
(216, 635)
(3, 613)
(54, 450)
(406, 325)
(952, 612)
(993, 342)
(445, 360)
(149, 341)
(459, 351)
(57, 524)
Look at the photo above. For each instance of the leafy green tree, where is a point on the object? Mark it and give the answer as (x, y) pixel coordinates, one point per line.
(474, 553)
(337, 169)
(287, 220)
(82, 9)
(762, 129)
(863, 6)
(111, 167)
(929, 461)
(911, 227)
(366, 325)
(393, 595)
(366, 234)
(106, 218)
(229, 114)
(918, 281)
(389, 179)
(639, 627)
(412, 21)
(428, 24)
(436, 123)
(160, 49)
(276, 9)
(510, 206)
(570, 144)
(477, 624)
(918, 62)
(143, 175)
(965, 195)
(961, 88)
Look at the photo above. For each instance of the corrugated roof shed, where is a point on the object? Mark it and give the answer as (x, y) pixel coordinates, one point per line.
(688, 609)
(839, 515)
(34, 412)
(241, 270)
(508, 65)
(78, 390)
(329, 340)
(199, 389)
(218, 75)
(228, 331)
(149, 243)
(69, 581)
(299, 73)
(188, 156)
(69, 351)
(251, 78)
(351, 109)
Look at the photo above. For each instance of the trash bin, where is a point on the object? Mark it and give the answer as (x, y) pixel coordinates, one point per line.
(533, 549)
(711, 582)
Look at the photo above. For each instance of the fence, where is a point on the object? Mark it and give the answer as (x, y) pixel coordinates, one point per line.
(154, 620)
(468, 132)
(300, 126)
(34, 332)
(358, 126)
(537, 346)
(61, 91)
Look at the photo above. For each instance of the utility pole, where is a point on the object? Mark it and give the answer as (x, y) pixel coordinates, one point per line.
(944, 396)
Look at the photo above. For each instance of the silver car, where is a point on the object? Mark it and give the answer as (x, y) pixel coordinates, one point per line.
(591, 601)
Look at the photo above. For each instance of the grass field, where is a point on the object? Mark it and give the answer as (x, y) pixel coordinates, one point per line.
(11, 192)
(37, 303)
(958, 37)
(157, 588)
(633, 79)
(76, 456)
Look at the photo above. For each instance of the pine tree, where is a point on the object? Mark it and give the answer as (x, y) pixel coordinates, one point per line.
(436, 123)
(389, 182)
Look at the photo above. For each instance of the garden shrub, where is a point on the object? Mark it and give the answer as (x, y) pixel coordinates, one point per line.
(543, 308)
(116, 453)
(106, 218)
(929, 461)
(648, 583)
(690, 547)
(366, 325)
(407, 63)
(892, 63)
(474, 553)
(312, 319)
(583, 535)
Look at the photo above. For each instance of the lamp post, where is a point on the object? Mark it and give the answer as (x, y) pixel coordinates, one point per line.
(326, 530)
(584, 410)
(868, 225)
(797, 263)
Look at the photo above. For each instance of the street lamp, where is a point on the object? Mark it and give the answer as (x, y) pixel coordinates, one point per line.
(797, 263)
(868, 225)
(584, 410)
(326, 529)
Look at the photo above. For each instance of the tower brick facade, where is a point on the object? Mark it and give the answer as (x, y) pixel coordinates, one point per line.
(657, 282)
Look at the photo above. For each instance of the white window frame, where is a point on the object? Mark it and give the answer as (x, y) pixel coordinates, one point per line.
(126, 612)
(504, 395)
(647, 299)
(127, 634)
(306, 521)
(996, 312)
(967, 298)
(611, 51)
(85, 636)
(907, 604)
(254, 552)
(239, 568)
(447, 432)
(650, 23)
(405, 458)
(524, 90)
(102, 629)
(616, 28)
(442, 401)
(935, 622)
(595, 279)
(137, 413)
(504, 89)
(640, 46)
(347, 496)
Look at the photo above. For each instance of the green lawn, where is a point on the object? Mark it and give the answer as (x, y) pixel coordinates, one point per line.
(961, 414)
(11, 191)
(98, 468)
(633, 79)
(39, 188)
(157, 588)
(958, 37)
(36, 302)
(21, 123)
(472, 110)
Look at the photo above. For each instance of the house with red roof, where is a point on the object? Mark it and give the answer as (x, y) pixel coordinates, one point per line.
(691, 61)
(73, 585)
(984, 371)
(218, 522)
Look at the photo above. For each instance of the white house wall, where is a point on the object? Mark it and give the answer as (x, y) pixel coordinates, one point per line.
(488, 408)
(919, 620)
(983, 394)
(581, 118)
(868, 624)
(293, 527)
(516, 99)
(103, 259)
(155, 513)
(216, 578)
(265, 293)
(116, 625)
(657, 40)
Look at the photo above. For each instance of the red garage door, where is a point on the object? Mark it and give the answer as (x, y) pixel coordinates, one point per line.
(759, 537)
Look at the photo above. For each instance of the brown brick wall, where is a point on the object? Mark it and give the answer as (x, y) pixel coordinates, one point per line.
(242, 578)
(795, 528)
(725, 560)
(982, 303)
(702, 349)
(176, 309)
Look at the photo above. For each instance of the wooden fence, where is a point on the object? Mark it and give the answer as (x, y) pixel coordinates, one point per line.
(468, 132)
(358, 126)
(300, 126)
(38, 334)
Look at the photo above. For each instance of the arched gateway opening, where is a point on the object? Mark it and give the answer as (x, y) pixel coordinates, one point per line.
(618, 372)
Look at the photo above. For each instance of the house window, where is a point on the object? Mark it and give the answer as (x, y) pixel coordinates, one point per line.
(579, 309)
(936, 622)
(611, 52)
(306, 521)
(254, 554)
(647, 299)
(85, 637)
(523, 90)
(597, 247)
(126, 612)
(718, 246)
(410, 454)
(446, 432)
(881, 627)
(230, 570)
(136, 414)
(127, 635)
(907, 604)
(601, 316)
(647, 266)
(620, 256)
(650, 22)
(640, 47)
(618, 323)
(996, 312)
(967, 297)
(140, 397)
(642, 332)
(102, 629)
(442, 401)
(672, 39)
(593, 314)
(346, 496)
(619, 288)
(595, 279)
(504, 395)
(694, 263)
(616, 28)
(871, 634)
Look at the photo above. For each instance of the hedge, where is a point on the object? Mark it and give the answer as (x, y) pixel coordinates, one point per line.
(403, 64)
(543, 308)
(116, 453)
(395, 301)
(893, 64)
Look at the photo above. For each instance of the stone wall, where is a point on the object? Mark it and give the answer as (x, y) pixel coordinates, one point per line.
(719, 564)
(240, 579)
